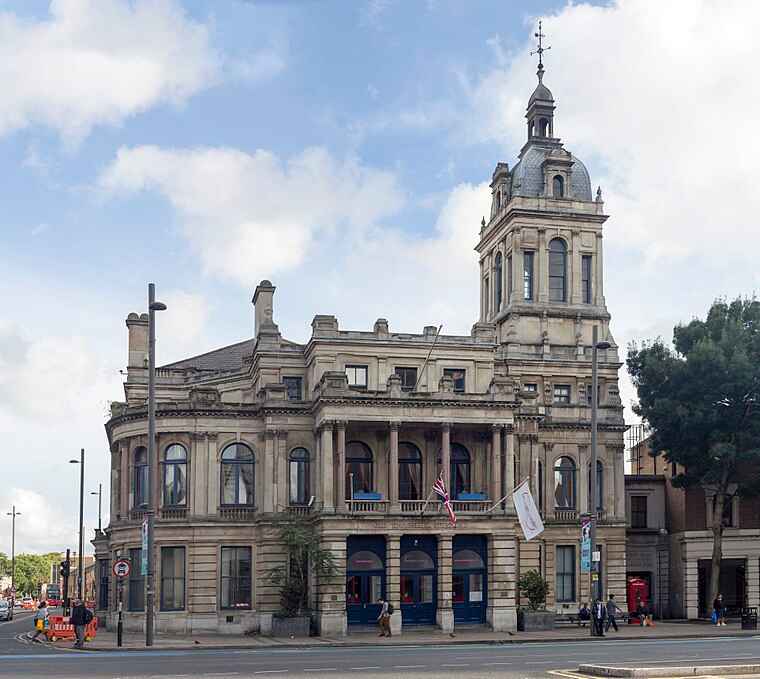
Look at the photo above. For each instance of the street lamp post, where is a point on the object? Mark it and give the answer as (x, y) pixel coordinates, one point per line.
(592, 472)
(150, 594)
(100, 505)
(80, 561)
(13, 514)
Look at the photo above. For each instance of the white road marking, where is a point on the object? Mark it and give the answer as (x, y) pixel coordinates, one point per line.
(271, 672)
(454, 665)
(320, 669)
(408, 667)
(369, 667)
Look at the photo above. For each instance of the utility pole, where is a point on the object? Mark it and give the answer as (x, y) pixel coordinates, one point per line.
(150, 593)
(100, 505)
(80, 561)
(13, 514)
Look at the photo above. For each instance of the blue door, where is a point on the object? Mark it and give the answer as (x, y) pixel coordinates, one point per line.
(418, 580)
(469, 580)
(365, 579)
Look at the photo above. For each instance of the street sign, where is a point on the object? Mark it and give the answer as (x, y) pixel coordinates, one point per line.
(596, 557)
(144, 551)
(121, 568)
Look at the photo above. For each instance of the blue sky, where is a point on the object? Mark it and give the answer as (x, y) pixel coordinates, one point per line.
(343, 150)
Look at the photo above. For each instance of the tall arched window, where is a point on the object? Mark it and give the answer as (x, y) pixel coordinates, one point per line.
(299, 476)
(409, 472)
(175, 475)
(140, 477)
(460, 470)
(358, 468)
(599, 486)
(237, 475)
(564, 483)
(543, 126)
(558, 186)
(557, 270)
(497, 274)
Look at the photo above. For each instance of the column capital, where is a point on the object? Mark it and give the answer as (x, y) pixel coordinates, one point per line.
(498, 426)
(394, 425)
(270, 433)
(341, 424)
(447, 425)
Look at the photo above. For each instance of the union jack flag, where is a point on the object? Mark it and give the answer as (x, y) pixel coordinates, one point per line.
(440, 488)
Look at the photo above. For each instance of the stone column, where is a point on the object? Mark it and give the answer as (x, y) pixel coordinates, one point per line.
(446, 453)
(393, 468)
(509, 470)
(212, 455)
(496, 492)
(575, 273)
(517, 268)
(199, 471)
(282, 495)
(691, 589)
(393, 579)
(124, 480)
(341, 468)
(331, 592)
(502, 575)
(619, 474)
(753, 581)
(444, 615)
(328, 501)
(540, 274)
(598, 281)
(268, 465)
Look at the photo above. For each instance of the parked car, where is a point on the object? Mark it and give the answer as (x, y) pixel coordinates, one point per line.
(6, 610)
(28, 603)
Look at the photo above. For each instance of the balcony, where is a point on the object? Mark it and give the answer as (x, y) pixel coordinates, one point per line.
(172, 513)
(136, 514)
(367, 506)
(240, 513)
(566, 515)
(471, 506)
(415, 507)
(299, 510)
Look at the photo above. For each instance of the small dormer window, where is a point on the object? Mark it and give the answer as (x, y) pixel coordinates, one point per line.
(558, 186)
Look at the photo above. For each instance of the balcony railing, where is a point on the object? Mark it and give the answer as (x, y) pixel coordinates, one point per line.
(565, 514)
(471, 506)
(367, 506)
(298, 510)
(173, 513)
(237, 513)
(136, 514)
(415, 507)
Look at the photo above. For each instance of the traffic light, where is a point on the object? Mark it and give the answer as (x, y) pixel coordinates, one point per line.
(65, 569)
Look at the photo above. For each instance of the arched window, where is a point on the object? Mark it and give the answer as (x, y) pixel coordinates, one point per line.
(299, 476)
(140, 477)
(416, 560)
(543, 126)
(497, 274)
(409, 472)
(358, 468)
(175, 475)
(558, 186)
(364, 560)
(460, 470)
(599, 486)
(557, 270)
(465, 559)
(564, 483)
(237, 475)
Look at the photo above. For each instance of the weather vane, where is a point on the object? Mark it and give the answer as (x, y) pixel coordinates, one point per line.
(541, 49)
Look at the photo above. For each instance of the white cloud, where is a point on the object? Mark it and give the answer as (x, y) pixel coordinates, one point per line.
(247, 215)
(96, 62)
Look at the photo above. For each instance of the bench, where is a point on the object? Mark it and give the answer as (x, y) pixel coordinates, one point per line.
(570, 619)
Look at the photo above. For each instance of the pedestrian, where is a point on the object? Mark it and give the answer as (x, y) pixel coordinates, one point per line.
(80, 618)
(584, 614)
(612, 608)
(599, 614)
(384, 619)
(719, 611)
(41, 622)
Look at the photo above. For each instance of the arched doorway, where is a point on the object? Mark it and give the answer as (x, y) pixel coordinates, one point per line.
(365, 578)
(470, 578)
(418, 579)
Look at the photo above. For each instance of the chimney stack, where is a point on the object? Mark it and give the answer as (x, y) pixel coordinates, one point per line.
(263, 302)
(138, 340)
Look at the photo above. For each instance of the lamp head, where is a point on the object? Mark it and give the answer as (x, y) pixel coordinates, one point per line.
(157, 306)
(73, 461)
(603, 345)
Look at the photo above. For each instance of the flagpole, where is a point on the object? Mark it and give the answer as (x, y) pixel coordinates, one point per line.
(424, 507)
(511, 492)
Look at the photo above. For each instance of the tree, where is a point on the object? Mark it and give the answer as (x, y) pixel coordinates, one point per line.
(702, 401)
(535, 588)
(304, 553)
(32, 570)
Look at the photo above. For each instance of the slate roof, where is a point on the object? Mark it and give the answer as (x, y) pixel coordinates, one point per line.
(528, 175)
(226, 358)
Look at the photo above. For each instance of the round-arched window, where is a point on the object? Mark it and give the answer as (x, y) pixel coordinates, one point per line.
(237, 475)
(365, 560)
(409, 472)
(564, 483)
(467, 559)
(557, 270)
(497, 275)
(460, 470)
(298, 463)
(558, 186)
(140, 477)
(175, 476)
(358, 468)
(416, 560)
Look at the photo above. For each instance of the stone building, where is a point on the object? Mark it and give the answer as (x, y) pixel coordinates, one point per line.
(670, 540)
(351, 428)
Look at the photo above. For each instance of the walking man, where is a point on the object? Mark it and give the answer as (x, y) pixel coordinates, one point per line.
(80, 618)
(612, 609)
(384, 619)
(598, 614)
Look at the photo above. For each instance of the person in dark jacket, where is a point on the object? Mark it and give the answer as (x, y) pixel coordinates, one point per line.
(80, 618)
(599, 615)
(612, 610)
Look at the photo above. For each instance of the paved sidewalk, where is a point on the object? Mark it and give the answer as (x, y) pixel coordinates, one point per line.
(106, 641)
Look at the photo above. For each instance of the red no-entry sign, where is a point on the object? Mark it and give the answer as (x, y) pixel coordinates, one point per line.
(121, 568)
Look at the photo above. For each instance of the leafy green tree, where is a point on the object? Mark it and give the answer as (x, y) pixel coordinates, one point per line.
(535, 588)
(5, 565)
(32, 570)
(702, 399)
(304, 554)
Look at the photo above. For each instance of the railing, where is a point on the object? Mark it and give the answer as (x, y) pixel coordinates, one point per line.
(601, 515)
(237, 513)
(173, 513)
(367, 506)
(298, 510)
(471, 506)
(415, 507)
(565, 514)
(136, 514)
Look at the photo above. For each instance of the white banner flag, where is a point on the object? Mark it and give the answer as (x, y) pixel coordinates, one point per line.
(527, 512)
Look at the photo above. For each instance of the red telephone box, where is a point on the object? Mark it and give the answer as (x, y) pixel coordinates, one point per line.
(637, 590)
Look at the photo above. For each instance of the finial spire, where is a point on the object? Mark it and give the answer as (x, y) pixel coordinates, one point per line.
(540, 51)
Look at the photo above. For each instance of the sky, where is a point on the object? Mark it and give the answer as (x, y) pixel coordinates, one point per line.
(342, 149)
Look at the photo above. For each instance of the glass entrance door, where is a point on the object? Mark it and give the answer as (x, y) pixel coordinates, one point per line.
(365, 579)
(469, 577)
(418, 580)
